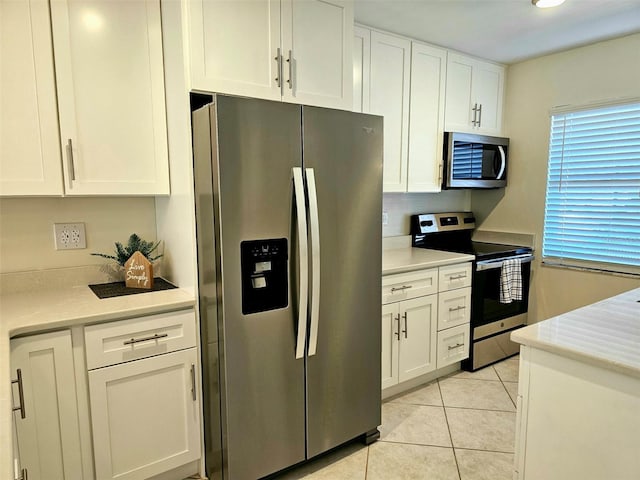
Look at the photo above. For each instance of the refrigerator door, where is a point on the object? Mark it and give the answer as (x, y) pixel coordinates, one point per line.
(258, 145)
(343, 382)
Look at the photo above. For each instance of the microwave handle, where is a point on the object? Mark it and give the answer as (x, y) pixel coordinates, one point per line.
(503, 163)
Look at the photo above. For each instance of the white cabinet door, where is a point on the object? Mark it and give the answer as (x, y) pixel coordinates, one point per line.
(458, 114)
(29, 142)
(317, 39)
(235, 47)
(361, 68)
(426, 118)
(145, 416)
(110, 84)
(389, 94)
(390, 337)
(474, 95)
(488, 86)
(418, 330)
(48, 435)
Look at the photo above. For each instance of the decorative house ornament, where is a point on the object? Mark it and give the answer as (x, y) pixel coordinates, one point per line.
(138, 272)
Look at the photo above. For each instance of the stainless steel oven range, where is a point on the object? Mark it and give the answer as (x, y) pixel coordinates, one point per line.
(492, 320)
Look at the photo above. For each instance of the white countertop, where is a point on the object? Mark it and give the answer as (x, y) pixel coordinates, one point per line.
(399, 260)
(41, 310)
(605, 334)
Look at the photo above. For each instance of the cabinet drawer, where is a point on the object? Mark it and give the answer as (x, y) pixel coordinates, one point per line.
(453, 345)
(409, 285)
(454, 276)
(126, 340)
(454, 308)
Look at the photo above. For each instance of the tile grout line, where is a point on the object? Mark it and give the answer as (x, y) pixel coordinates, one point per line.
(446, 419)
(366, 465)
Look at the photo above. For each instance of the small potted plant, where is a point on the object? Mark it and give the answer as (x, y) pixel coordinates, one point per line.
(136, 258)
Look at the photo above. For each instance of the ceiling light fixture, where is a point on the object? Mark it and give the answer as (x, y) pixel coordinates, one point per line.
(547, 3)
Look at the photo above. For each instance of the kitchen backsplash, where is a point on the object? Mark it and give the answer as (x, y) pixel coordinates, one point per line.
(26, 225)
(400, 206)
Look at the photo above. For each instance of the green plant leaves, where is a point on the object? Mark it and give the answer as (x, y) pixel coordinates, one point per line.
(134, 244)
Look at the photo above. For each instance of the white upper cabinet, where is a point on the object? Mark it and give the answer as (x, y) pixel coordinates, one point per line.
(235, 47)
(474, 95)
(29, 142)
(389, 97)
(426, 118)
(288, 50)
(361, 68)
(110, 83)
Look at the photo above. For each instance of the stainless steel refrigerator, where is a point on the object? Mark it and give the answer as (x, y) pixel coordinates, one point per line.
(288, 206)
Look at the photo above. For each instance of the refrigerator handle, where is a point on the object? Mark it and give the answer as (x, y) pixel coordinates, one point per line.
(314, 227)
(298, 193)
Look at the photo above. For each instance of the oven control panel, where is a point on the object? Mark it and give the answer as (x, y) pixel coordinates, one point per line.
(441, 222)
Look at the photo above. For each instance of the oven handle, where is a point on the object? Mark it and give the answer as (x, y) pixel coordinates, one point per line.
(490, 264)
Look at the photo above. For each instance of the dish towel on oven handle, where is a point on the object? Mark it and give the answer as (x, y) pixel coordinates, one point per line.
(511, 280)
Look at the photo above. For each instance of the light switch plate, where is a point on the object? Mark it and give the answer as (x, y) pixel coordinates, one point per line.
(69, 236)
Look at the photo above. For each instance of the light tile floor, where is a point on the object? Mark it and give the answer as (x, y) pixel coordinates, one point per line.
(460, 427)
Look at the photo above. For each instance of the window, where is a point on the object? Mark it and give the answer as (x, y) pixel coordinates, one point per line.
(592, 212)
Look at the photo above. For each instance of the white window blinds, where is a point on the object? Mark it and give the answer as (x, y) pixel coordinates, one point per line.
(592, 213)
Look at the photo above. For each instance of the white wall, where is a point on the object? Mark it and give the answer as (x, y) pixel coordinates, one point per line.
(175, 215)
(595, 73)
(26, 229)
(400, 207)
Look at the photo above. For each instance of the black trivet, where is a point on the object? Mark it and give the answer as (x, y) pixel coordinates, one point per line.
(117, 289)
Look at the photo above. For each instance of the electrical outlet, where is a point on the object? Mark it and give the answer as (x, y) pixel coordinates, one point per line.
(69, 236)
(385, 218)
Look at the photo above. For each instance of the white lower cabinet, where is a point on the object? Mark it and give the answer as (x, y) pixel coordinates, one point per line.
(145, 416)
(425, 321)
(135, 381)
(409, 339)
(45, 407)
(145, 412)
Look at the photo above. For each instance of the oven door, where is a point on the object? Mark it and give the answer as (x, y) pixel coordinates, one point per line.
(486, 307)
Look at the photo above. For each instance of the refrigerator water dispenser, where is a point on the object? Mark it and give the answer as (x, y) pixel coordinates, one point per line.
(264, 275)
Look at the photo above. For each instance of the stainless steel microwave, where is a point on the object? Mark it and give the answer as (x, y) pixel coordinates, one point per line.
(474, 161)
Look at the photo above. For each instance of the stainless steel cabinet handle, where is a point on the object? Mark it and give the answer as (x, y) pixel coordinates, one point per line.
(480, 115)
(290, 62)
(404, 315)
(314, 229)
(400, 289)
(72, 169)
(193, 382)
(20, 394)
(301, 216)
(453, 347)
(458, 277)
(397, 333)
(155, 336)
(459, 307)
(278, 59)
(474, 122)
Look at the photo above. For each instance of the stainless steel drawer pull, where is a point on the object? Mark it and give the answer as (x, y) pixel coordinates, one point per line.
(458, 277)
(20, 394)
(453, 347)
(193, 382)
(455, 309)
(400, 289)
(155, 336)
